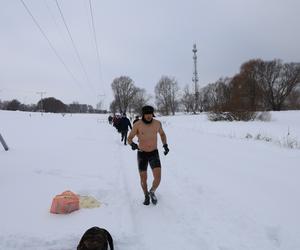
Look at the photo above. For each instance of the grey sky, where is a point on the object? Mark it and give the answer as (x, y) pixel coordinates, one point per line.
(141, 39)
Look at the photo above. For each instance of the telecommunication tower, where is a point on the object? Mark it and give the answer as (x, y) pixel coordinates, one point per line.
(195, 78)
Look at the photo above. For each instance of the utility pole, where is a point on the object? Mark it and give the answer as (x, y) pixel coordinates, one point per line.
(41, 93)
(195, 79)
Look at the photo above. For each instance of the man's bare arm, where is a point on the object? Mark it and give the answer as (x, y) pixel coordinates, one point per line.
(162, 135)
(132, 134)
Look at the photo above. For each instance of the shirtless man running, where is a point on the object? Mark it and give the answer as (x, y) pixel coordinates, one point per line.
(146, 130)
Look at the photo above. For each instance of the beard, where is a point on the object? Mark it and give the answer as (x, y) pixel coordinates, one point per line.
(145, 121)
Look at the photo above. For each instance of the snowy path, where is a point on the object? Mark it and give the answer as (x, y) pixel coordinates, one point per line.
(208, 214)
(216, 193)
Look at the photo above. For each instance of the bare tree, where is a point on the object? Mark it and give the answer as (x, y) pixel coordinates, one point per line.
(166, 95)
(205, 96)
(277, 81)
(124, 92)
(216, 95)
(188, 100)
(248, 85)
(174, 102)
(223, 93)
(140, 99)
(293, 100)
(229, 103)
(113, 107)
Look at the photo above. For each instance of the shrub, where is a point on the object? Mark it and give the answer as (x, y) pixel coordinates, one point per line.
(264, 116)
(231, 116)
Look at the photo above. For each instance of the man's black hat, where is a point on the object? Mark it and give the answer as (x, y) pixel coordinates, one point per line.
(148, 110)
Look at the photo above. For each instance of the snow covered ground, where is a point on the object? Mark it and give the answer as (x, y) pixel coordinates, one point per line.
(219, 190)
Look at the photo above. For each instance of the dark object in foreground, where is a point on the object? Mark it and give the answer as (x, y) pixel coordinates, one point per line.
(3, 143)
(96, 238)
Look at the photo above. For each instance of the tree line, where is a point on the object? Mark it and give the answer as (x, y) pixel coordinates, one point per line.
(49, 104)
(260, 85)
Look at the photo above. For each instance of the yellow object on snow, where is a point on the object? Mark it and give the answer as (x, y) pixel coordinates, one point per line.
(88, 202)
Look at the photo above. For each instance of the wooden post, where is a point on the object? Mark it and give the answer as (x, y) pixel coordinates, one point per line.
(3, 143)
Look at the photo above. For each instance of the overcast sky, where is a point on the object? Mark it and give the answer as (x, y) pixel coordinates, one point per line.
(141, 39)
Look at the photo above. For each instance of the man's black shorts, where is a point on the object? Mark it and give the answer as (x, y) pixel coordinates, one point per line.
(148, 157)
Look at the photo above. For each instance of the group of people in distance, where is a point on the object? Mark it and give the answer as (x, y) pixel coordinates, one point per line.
(146, 130)
(122, 124)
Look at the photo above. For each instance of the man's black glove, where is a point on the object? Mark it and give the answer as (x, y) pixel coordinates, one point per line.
(166, 149)
(134, 146)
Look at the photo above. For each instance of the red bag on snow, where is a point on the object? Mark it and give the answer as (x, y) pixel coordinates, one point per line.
(65, 203)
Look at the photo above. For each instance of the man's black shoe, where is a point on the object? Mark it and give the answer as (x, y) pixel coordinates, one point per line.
(147, 200)
(153, 197)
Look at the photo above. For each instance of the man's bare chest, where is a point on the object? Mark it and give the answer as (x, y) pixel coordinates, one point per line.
(147, 132)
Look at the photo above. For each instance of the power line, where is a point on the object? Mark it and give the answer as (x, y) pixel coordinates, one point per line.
(74, 45)
(50, 44)
(54, 21)
(95, 38)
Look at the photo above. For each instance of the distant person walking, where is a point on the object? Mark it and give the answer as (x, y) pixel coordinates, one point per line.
(146, 130)
(116, 122)
(124, 124)
(110, 119)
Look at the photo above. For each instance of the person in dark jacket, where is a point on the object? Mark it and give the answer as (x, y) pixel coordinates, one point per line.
(136, 119)
(116, 123)
(110, 119)
(124, 124)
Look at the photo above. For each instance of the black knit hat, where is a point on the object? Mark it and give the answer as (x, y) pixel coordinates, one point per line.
(148, 110)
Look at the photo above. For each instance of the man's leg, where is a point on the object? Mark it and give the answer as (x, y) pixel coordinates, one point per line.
(143, 176)
(156, 178)
(125, 137)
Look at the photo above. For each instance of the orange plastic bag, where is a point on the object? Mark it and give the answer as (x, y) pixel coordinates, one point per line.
(65, 203)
